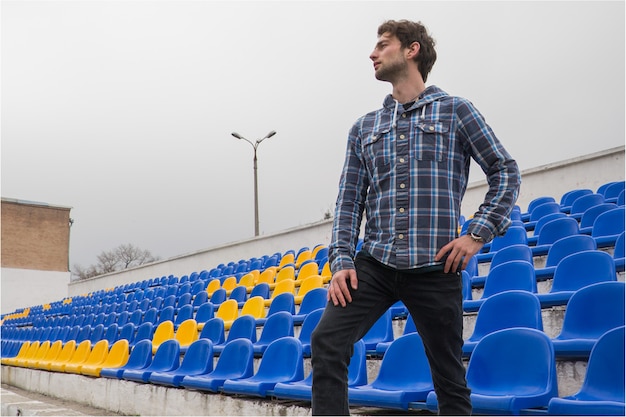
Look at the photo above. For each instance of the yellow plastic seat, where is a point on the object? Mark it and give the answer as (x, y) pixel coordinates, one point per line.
(32, 351)
(53, 352)
(316, 249)
(287, 272)
(163, 332)
(287, 258)
(315, 281)
(254, 306)
(43, 349)
(228, 311)
(229, 284)
(213, 286)
(247, 281)
(255, 273)
(286, 285)
(305, 271)
(305, 255)
(117, 357)
(20, 354)
(268, 275)
(96, 356)
(66, 354)
(187, 333)
(326, 273)
(79, 356)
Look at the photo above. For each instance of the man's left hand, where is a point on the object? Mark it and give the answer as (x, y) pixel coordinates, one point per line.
(459, 251)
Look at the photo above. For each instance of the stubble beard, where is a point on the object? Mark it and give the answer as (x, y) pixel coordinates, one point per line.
(391, 71)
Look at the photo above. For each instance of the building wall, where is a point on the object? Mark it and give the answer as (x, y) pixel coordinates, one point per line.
(23, 288)
(35, 236)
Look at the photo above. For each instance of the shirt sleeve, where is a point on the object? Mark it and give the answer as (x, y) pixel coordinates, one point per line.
(503, 177)
(353, 185)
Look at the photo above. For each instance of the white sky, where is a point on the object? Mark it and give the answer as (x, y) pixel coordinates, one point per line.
(123, 109)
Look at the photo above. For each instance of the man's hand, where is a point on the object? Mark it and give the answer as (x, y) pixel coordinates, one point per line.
(460, 250)
(338, 291)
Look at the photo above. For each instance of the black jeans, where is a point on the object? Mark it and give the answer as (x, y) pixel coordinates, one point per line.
(434, 300)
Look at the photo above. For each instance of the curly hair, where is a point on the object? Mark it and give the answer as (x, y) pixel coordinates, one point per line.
(408, 32)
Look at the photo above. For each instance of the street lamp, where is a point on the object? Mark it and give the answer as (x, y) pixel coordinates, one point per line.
(255, 145)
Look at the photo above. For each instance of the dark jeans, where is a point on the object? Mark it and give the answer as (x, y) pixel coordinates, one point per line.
(434, 300)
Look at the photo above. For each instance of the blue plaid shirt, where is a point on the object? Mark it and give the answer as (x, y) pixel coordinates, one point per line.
(407, 170)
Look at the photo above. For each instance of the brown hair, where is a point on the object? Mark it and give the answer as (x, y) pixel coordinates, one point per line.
(408, 32)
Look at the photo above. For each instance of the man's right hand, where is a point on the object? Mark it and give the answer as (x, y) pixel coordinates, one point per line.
(338, 291)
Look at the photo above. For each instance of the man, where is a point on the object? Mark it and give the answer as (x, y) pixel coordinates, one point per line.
(406, 166)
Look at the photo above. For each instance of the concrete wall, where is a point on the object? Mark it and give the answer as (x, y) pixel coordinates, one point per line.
(26, 288)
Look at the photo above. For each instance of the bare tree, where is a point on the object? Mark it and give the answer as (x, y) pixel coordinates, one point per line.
(123, 257)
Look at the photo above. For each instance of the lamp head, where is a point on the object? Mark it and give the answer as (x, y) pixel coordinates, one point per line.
(237, 135)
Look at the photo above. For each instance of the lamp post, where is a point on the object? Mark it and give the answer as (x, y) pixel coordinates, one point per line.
(255, 145)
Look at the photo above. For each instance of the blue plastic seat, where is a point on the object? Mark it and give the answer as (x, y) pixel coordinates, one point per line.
(140, 358)
(502, 311)
(591, 214)
(198, 360)
(244, 327)
(409, 327)
(278, 325)
(166, 314)
(200, 297)
(111, 334)
(510, 370)
(166, 358)
(533, 204)
(618, 253)
(590, 312)
(313, 300)
(562, 248)
(381, 331)
(282, 302)
(553, 231)
(205, 312)
(532, 240)
(213, 330)
(575, 272)
(84, 333)
(262, 289)
(151, 316)
(281, 362)
(612, 192)
(301, 390)
(218, 297)
(569, 197)
(404, 376)
(183, 300)
(144, 331)
(512, 275)
(309, 324)
(184, 313)
(581, 204)
(510, 253)
(235, 362)
(515, 235)
(540, 211)
(608, 226)
(602, 391)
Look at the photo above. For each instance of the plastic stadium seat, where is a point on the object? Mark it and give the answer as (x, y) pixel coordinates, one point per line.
(287, 272)
(532, 240)
(409, 327)
(198, 360)
(213, 286)
(96, 356)
(553, 231)
(79, 356)
(268, 276)
(510, 253)
(228, 311)
(229, 284)
(303, 256)
(39, 355)
(535, 203)
(510, 370)
(308, 269)
(165, 331)
(575, 272)
(111, 333)
(590, 312)
(569, 197)
(218, 297)
(612, 192)
(301, 390)
(381, 331)
(608, 226)
(116, 357)
(308, 325)
(602, 391)
(247, 281)
(167, 358)
(515, 235)
(281, 362)
(236, 361)
(150, 316)
(502, 311)
(239, 294)
(186, 334)
(590, 215)
(22, 353)
(243, 328)
(66, 353)
(255, 307)
(618, 253)
(512, 275)
(282, 302)
(205, 312)
(213, 330)
(140, 358)
(404, 376)
(184, 313)
(313, 300)
(278, 325)
(284, 286)
(310, 283)
(51, 354)
(144, 332)
(581, 204)
(261, 289)
(562, 248)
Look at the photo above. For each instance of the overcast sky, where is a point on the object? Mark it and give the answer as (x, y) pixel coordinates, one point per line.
(123, 110)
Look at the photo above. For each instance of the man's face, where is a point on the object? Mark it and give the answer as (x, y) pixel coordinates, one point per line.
(388, 58)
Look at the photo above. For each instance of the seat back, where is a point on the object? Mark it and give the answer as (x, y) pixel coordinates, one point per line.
(512, 275)
(404, 365)
(306, 270)
(308, 325)
(567, 246)
(277, 325)
(313, 299)
(243, 327)
(206, 311)
(218, 296)
(118, 355)
(167, 357)
(199, 358)
(282, 302)
(515, 235)
(239, 294)
(282, 361)
(557, 229)
(98, 353)
(184, 313)
(236, 360)
(140, 355)
(229, 284)
(164, 332)
(539, 201)
(187, 333)
(582, 203)
(569, 197)
(543, 209)
(593, 310)
(381, 331)
(512, 253)
(213, 330)
(261, 289)
(144, 331)
(545, 219)
(228, 310)
(255, 307)
(609, 223)
(81, 353)
(65, 355)
(581, 269)
(591, 214)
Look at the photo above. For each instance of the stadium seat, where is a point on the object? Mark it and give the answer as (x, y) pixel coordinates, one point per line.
(512, 275)
(184, 313)
(213, 330)
(22, 353)
(308, 325)
(228, 311)
(144, 332)
(239, 294)
(308, 269)
(553, 231)
(96, 356)
(314, 299)
(607, 227)
(612, 192)
(301, 390)
(591, 214)
(602, 391)
(590, 312)
(244, 327)
(404, 376)
(64, 356)
(534, 203)
(409, 327)
(111, 333)
(581, 204)
(284, 286)
(165, 331)
(198, 360)
(52, 353)
(310, 283)
(515, 235)
(278, 325)
(281, 362)
(569, 197)
(510, 370)
(510, 253)
(166, 358)
(140, 357)
(205, 312)
(116, 357)
(186, 334)
(540, 211)
(381, 331)
(575, 272)
(236, 361)
(38, 355)
(282, 302)
(562, 248)
(618, 253)
(502, 311)
(79, 356)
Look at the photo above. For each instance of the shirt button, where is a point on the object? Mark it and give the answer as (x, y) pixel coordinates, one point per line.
(402, 185)
(402, 136)
(401, 210)
(431, 128)
(404, 115)
(402, 160)
(400, 236)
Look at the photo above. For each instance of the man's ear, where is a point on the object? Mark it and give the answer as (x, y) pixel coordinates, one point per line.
(413, 50)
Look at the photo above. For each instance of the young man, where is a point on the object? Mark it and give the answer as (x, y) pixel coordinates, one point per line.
(406, 166)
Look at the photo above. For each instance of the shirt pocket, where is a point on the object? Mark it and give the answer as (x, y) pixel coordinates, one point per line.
(430, 141)
(377, 148)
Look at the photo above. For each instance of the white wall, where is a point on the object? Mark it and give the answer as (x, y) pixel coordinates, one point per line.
(26, 287)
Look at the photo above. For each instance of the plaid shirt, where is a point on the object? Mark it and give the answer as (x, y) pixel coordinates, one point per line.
(407, 169)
